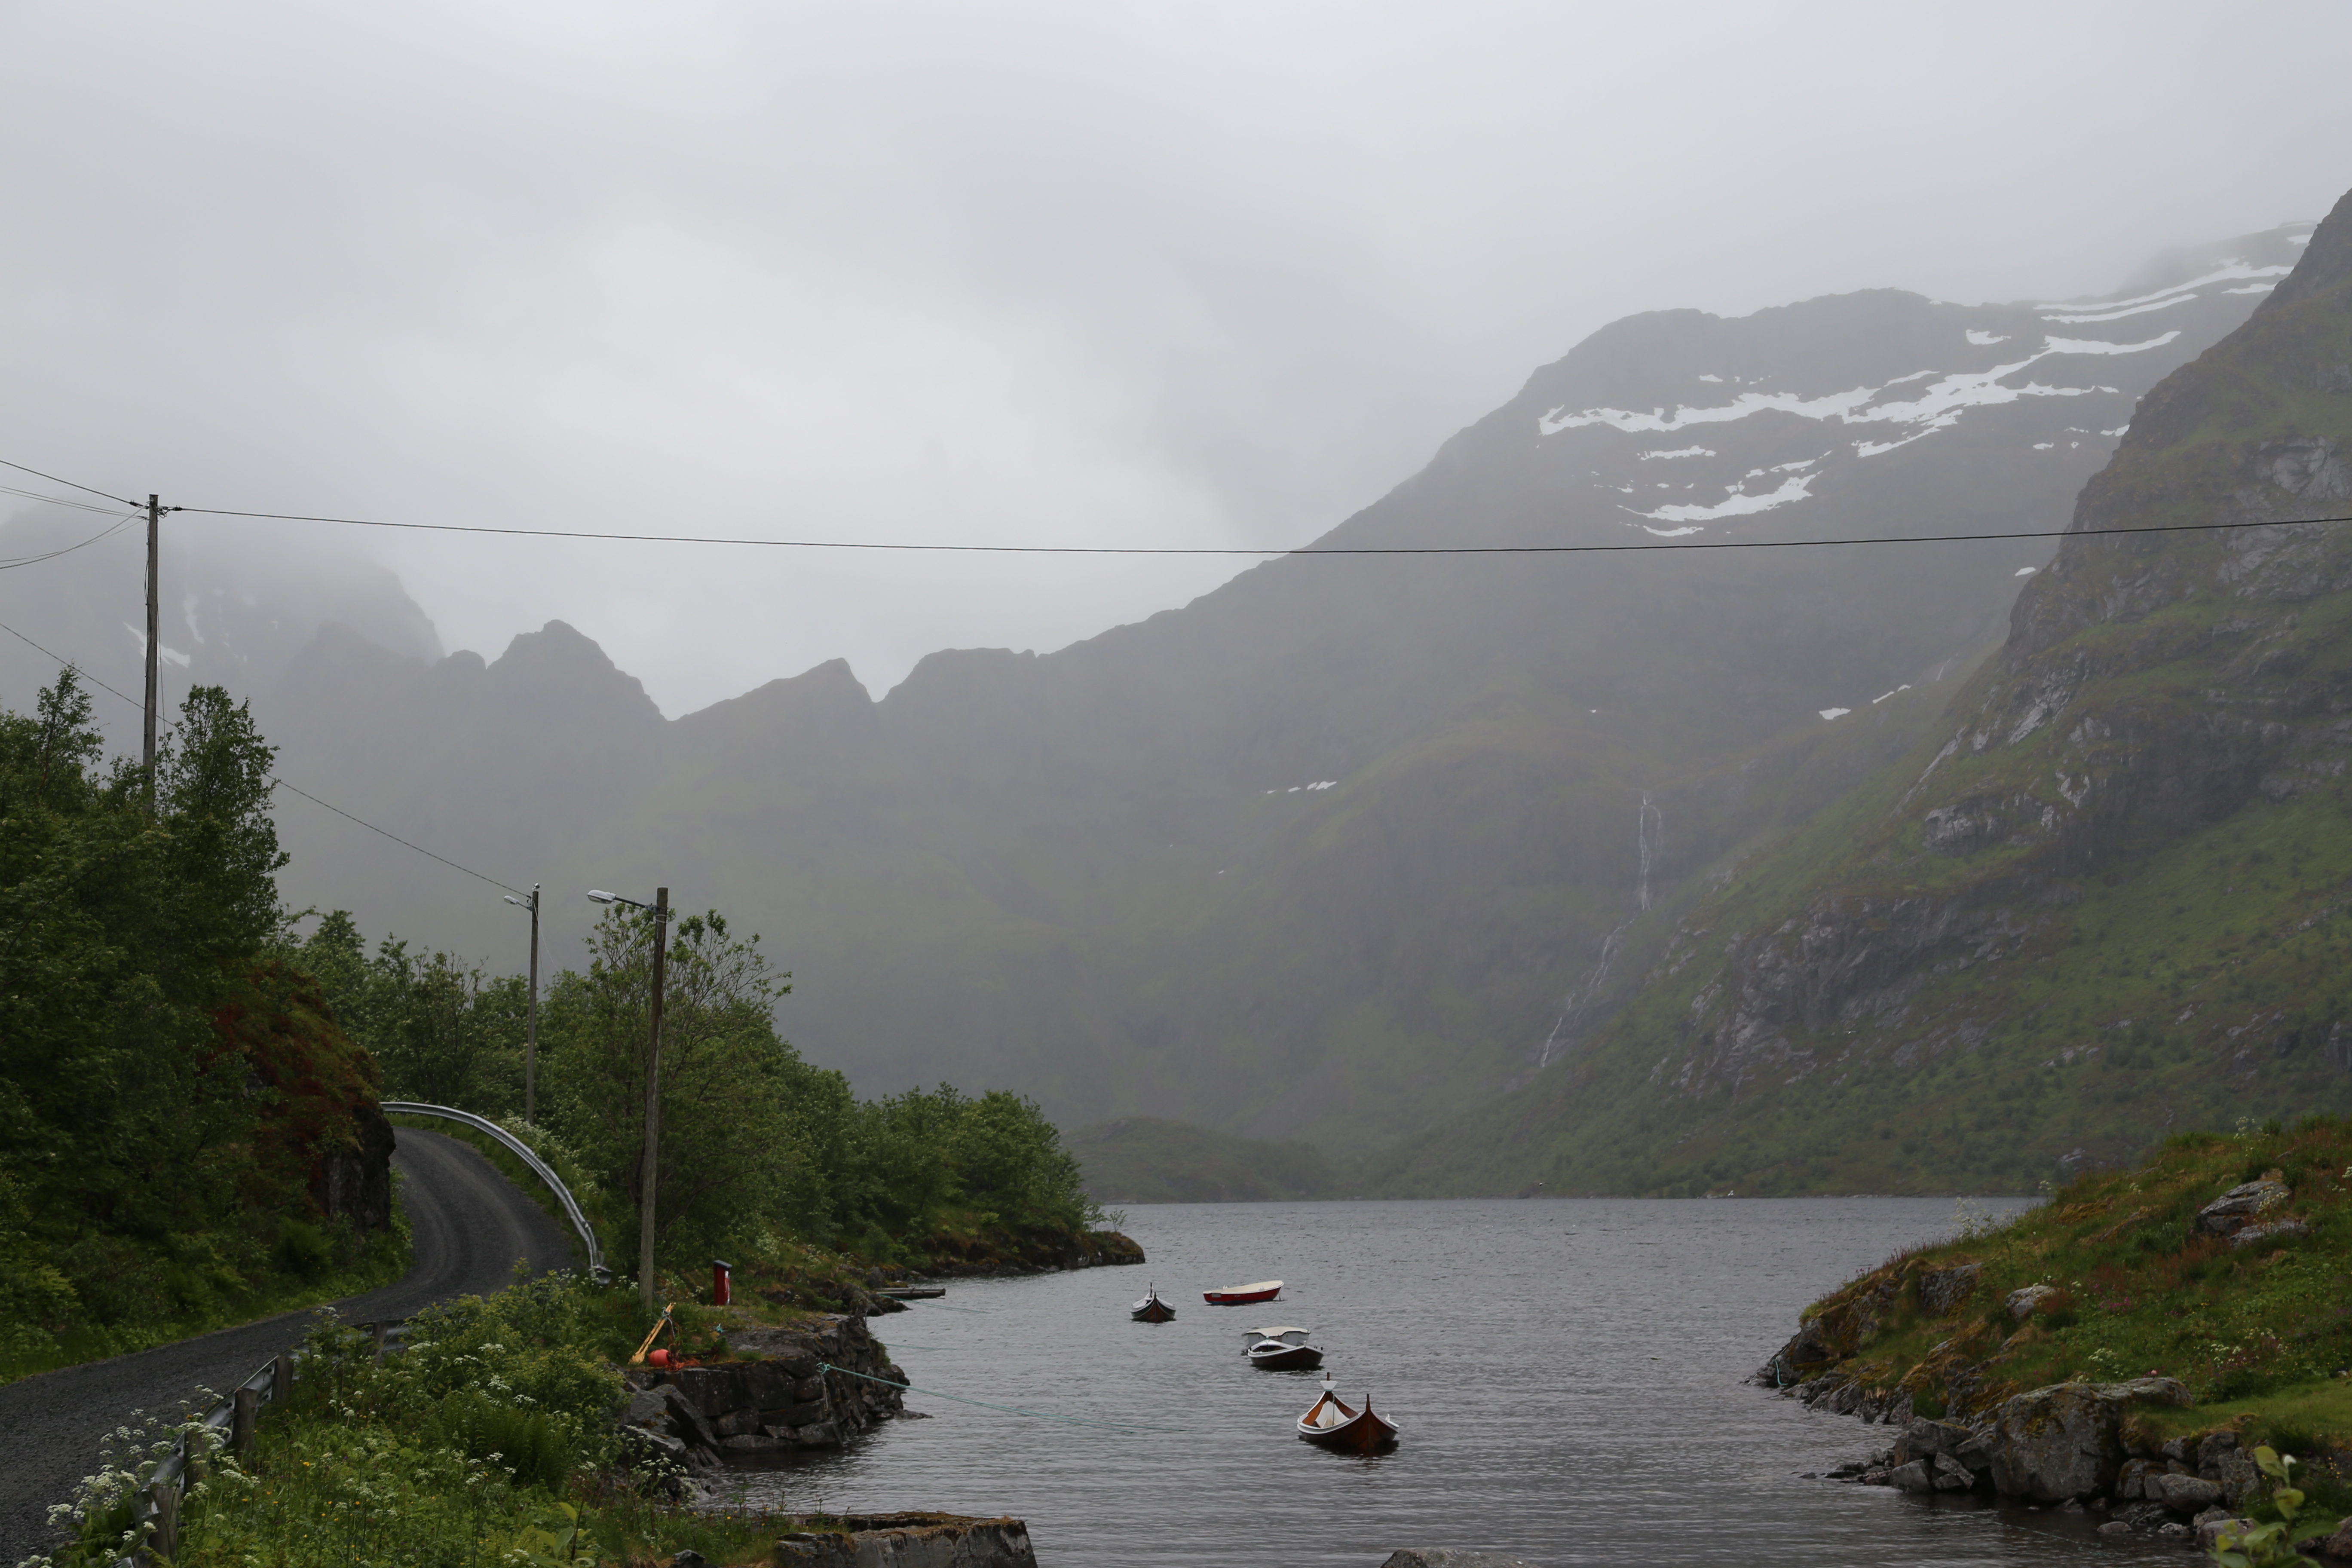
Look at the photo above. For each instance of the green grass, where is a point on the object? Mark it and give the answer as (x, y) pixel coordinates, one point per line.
(2259, 1334)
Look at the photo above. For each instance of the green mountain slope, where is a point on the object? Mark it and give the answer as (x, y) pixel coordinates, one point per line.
(2105, 899)
(1151, 1160)
(1349, 846)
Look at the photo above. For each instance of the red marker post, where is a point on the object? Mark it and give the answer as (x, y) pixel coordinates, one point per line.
(721, 1283)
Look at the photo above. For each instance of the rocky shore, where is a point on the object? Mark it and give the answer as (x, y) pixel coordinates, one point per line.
(788, 1389)
(2080, 1446)
(2074, 1446)
(907, 1541)
(1025, 1252)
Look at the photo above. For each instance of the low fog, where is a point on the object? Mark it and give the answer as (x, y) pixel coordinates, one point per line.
(1209, 275)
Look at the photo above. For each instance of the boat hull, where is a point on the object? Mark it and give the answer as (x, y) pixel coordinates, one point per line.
(1239, 1298)
(1288, 1358)
(1154, 1311)
(1364, 1433)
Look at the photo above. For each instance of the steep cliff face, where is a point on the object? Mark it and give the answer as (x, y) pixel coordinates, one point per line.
(2102, 898)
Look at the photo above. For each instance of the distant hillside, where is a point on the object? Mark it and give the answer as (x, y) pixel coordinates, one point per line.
(1151, 1160)
(2109, 896)
(1349, 845)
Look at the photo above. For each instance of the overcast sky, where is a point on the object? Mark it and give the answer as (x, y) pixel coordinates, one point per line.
(1190, 274)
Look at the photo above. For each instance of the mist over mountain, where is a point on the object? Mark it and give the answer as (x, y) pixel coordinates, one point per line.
(2104, 898)
(238, 607)
(1350, 845)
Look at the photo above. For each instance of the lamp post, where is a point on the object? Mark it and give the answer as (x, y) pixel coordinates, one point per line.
(660, 911)
(530, 1036)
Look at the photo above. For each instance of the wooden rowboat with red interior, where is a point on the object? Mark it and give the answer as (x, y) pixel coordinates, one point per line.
(1331, 1423)
(1242, 1295)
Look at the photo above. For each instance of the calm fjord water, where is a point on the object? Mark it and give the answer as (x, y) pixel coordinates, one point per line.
(1567, 1373)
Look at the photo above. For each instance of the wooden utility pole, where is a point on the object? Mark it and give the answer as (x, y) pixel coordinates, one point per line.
(531, 1037)
(652, 1108)
(531, 1034)
(154, 630)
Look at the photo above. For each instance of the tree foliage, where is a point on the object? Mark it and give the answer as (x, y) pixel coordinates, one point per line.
(165, 1089)
(758, 1146)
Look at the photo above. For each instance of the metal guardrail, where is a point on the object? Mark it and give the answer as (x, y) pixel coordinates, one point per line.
(273, 1382)
(521, 1151)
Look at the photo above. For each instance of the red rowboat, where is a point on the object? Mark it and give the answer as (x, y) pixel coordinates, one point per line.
(1242, 1295)
(1331, 1424)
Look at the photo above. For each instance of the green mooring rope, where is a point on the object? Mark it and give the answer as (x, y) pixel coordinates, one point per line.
(1009, 1409)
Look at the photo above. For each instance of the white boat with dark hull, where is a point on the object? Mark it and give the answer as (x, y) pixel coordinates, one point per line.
(1282, 1350)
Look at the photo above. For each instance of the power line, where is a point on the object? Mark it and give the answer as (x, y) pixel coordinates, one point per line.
(69, 484)
(56, 501)
(1646, 545)
(1655, 544)
(395, 837)
(12, 562)
(275, 781)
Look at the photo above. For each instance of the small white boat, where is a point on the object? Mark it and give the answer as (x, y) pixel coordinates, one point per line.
(1282, 1350)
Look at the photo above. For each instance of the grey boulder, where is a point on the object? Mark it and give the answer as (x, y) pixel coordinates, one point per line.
(1952, 1476)
(1925, 1438)
(2185, 1494)
(2064, 1441)
(2272, 1230)
(1914, 1477)
(2240, 1207)
(2021, 1301)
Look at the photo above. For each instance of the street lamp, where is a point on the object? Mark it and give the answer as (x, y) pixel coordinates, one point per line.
(530, 1040)
(660, 908)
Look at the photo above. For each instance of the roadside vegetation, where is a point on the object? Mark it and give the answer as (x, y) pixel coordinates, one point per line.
(763, 1155)
(2131, 1286)
(170, 1089)
(182, 1061)
(487, 1444)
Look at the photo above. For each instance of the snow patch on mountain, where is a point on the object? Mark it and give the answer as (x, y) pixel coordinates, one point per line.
(2231, 272)
(1677, 452)
(1736, 504)
(1936, 407)
(2128, 310)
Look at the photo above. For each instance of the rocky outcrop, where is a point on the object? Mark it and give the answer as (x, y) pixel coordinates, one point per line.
(791, 1389)
(2241, 1206)
(906, 1541)
(2066, 1441)
(2275, 1231)
(1943, 1290)
(2073, 1444)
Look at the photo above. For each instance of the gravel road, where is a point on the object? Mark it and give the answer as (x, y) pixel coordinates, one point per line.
(470, 1223)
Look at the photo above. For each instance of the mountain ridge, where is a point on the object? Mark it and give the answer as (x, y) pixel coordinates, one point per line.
(2142, 791)
(1348, 844)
